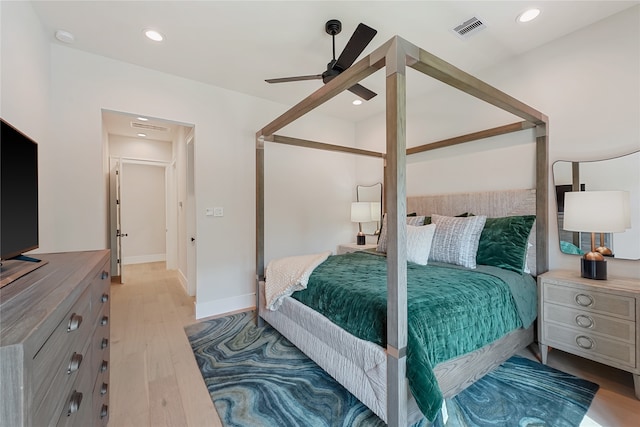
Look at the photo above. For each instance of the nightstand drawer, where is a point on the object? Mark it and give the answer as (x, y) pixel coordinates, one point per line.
(584, 321)
(590, 345)
(592, 301)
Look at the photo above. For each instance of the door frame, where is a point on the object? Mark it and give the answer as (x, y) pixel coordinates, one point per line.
(115, 205)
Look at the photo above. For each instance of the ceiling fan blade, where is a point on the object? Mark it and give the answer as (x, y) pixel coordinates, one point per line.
(362, 92)
(294, 79)
(359, 40)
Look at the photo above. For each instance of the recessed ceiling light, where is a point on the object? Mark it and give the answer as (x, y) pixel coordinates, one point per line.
(142, 119)
(65, 36)
(154, 35)
(357, 102)
(528, 15)
(142, 134)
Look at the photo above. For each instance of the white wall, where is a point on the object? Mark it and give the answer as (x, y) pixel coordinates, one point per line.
(74, 207)
(140, 149)
(588, 85)
(143, 213)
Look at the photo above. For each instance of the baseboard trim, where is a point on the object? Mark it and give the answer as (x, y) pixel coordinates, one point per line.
(142, 259)
(226, 305)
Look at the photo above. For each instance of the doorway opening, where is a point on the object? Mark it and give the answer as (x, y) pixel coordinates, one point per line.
(150, 187)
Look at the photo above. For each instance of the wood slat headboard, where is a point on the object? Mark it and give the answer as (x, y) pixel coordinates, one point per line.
(490, 203)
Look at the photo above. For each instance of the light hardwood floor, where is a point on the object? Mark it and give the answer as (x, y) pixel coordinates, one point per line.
(155, 380)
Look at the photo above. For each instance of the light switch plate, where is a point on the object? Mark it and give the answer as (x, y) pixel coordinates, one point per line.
(208, 212)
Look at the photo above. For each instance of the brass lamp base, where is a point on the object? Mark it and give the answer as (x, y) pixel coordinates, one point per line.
(593, 269)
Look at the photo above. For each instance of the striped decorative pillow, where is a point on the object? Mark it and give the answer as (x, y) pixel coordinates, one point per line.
(456, 239)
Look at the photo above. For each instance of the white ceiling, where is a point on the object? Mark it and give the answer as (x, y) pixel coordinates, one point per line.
(238, 44)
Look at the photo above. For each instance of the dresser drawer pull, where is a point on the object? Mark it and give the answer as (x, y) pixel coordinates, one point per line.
(104, 366)
(104, 321)
(104, 274)
(74, 363)
(74, 322)
(104, 298)
(584, 300)
(584, 321)
(104, 388)
(585, 342)
(104, 411)
(74, 403)
(104, 344)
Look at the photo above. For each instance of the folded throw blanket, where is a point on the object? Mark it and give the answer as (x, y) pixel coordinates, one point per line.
(284, 276)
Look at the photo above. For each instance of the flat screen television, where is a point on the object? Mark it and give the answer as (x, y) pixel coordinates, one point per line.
(18, 200)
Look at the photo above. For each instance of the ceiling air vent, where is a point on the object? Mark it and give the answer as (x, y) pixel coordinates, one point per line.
(469, 28)
(147, 126)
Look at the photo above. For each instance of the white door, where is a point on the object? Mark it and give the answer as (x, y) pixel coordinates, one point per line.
(115, 215)
(191, 217)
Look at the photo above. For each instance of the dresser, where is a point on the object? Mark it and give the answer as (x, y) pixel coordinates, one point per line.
(54, 343)
(595, 319)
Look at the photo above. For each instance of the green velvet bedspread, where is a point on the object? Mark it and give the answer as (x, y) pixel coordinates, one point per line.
(451, 310)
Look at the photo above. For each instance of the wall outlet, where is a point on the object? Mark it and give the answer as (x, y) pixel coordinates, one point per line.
(218, 212)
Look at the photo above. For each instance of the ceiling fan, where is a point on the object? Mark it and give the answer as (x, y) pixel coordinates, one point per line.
(356, 44)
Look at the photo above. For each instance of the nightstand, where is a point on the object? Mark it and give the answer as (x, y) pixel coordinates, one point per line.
(345, 248)
(594, 319)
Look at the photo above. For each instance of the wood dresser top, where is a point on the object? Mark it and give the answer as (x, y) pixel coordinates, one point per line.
(48, 291)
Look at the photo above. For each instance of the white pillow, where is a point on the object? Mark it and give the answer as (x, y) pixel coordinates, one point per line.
(419, 240)
(382, 242)
(456, 239)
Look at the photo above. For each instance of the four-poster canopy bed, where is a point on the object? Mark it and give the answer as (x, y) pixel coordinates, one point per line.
(398, 407)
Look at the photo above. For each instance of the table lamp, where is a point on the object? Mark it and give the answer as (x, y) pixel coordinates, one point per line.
(596, 212)
(361, 212)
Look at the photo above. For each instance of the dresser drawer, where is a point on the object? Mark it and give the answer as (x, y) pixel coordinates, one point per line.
(57, 363)
(587, 322)
(589, 345)
(77, 408)
(592, 301)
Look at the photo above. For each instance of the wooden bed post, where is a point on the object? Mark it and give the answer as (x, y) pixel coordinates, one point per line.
(542, 196)
(259, 222)
(396, 199)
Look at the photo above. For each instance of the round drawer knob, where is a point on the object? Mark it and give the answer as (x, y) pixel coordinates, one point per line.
(104, 275)
(104, 298)
(104, 388)
(585, 342)
(104, 366)
(74, 403)
(104, 411)
(74, 363)
(104, 321)
(584, 321)
(104, 344)
(584, 300)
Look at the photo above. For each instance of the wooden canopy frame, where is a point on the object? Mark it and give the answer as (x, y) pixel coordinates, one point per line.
(396, 55)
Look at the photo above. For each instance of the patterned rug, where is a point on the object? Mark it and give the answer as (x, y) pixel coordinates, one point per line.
(256, 377)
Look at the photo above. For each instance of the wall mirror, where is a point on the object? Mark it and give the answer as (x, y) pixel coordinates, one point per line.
(370, 193)
(619, 173)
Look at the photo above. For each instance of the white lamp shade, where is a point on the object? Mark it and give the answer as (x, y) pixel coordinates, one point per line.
(596, 211)
(361, 212)
(376, 208)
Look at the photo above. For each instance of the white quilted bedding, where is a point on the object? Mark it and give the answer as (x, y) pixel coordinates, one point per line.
(360, 366)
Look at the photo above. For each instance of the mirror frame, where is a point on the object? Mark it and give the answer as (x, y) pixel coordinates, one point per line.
(582, 183)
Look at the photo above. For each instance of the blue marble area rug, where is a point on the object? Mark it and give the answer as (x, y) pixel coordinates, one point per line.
(256, 377)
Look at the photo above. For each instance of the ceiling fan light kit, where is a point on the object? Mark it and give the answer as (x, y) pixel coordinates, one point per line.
(359, 40)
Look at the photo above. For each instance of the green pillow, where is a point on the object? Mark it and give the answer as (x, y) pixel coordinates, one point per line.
(504, 241)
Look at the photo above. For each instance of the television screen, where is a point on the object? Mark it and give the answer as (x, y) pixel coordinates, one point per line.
(18, 192)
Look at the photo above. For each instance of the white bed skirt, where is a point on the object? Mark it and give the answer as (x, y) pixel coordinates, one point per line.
(360, 366)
